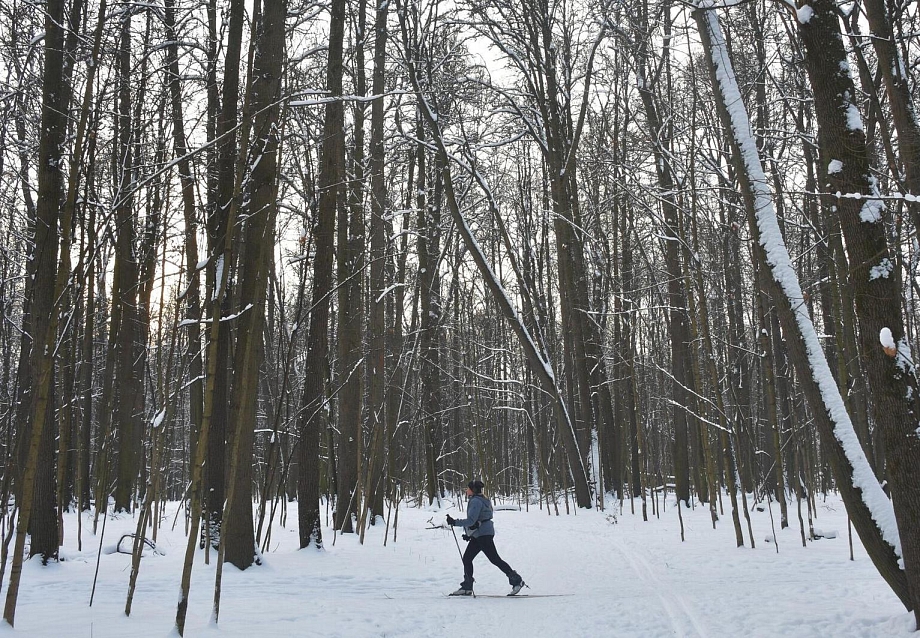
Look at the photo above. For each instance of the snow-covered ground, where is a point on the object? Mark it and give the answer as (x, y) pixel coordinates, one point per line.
(591, 574)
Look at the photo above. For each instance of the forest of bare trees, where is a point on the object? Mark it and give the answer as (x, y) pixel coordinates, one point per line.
(352, 255)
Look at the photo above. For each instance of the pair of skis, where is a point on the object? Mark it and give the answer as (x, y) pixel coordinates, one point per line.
(510, 596)
(515, 593)
(469, 592)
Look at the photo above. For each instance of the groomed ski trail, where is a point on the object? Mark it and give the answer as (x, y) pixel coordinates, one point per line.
(683, 619)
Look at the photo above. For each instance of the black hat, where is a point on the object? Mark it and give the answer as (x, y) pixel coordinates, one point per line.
(475, 485)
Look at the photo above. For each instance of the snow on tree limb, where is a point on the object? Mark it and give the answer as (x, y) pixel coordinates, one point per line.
(782, 271)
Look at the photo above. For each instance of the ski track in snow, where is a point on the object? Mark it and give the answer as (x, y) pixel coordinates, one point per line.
(674, 604)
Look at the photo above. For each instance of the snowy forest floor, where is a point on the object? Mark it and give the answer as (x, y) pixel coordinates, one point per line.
(596, 574)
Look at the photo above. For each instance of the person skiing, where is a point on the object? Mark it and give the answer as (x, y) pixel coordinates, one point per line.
(479, 531)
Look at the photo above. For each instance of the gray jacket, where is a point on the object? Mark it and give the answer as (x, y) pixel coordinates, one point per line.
(478, 510)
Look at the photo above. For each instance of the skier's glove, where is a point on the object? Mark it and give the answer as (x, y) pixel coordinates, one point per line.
(466, 538)
(451, 520)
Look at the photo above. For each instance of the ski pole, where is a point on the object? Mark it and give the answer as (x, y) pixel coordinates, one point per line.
(456, 541)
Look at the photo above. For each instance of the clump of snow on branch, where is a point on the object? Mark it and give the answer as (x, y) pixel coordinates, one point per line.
(887, 341)
(872, 210)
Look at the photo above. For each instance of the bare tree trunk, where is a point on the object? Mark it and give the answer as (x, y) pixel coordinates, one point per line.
(331, 176)
(897, 86)
(44, 252)
(866, 502)
(258, 209)
(873, 278)
(767, 369)
(376, 328)
(218, 228)
(187, 184)
(128, 386)
(429, 283)
(678, 325)
(699, 329)
(351, 236)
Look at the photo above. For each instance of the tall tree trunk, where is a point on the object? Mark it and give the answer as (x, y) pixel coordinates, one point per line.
(581, 334)
(128, 386)
(429, 283)
(350, 359)
(67, 302)
(897, 86)
(767, 370)
(351, 236)
(868, 506)
(218, 228)
(187, 185)
(628, 352)
(678, 321)
(36, 506)
(376, 328)
(874, 280)
(258, 210)
(331, 176)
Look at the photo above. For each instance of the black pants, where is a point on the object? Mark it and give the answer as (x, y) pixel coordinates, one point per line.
(486, 545)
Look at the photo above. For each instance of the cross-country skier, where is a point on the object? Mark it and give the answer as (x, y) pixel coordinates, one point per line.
(480, 532)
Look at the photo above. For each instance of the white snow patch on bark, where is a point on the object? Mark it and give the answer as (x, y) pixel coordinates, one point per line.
(881, 271)
(218, 277)
(872, 210)
(835, 166)
(854, 119)
(844, 67)
(905, 360)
